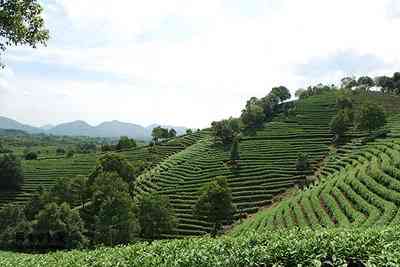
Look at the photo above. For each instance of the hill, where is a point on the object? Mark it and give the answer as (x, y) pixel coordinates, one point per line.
(110, 129)
(6, 123)
(358, 186)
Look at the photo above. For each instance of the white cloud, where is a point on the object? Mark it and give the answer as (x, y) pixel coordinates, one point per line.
(204, 65)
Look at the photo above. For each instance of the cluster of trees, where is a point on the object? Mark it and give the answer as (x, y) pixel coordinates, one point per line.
(100, 209)
(314, 90)
(386, 84)
(369, 117)
(257, 111)
(124, 142)
(159, 133)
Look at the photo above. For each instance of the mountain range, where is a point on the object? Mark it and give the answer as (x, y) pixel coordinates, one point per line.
(81, 128)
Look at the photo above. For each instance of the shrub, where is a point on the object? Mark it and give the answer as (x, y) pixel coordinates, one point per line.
(31, 156)
(11, 174)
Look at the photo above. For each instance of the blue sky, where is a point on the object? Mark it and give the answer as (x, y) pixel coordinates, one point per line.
(189, 62)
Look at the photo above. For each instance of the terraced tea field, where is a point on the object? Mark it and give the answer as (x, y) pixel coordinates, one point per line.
(267, 164)
(44, 172)
(358, 187)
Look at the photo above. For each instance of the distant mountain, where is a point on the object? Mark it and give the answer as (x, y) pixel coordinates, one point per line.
(47, 127)
(6, 123)
(117, 129)
(81, 128)
(74, 128)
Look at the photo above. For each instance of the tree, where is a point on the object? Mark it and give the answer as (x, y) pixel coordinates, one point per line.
(348, 83)
(114, 211)
(386, 83)
(159, 133)
(226, 130)
(37, 202)
(172, 133)
(112, 162)
(21, 24)
(366, 82)
(282, 92)
(60, 151)
(31, 156)
(300, 92)
(189, 131)
(125, 143)
(61, 220)
(302, 162)
(253, 116)
(215, 203)
(11, 174)
(340, 123)
(12, 221)
(235, 155)
(371, 117)
(156, 216)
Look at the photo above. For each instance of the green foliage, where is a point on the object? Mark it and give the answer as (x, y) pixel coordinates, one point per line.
(189, 131)
(155, 216)
(215, 203)
(11, 174)
(302, 163)
(370, 117)
(253, 116)
(113, 162)
(235, 154)
(124, 143)
(21, 23)
(314, 90)
(61, 219)
(114, 211)
(12, 220)
(341, 122)
(87, 147)
(172, 133)
(226, 130)
(60, 151)
(281, 92)
(268, 248)
(160, 133)
(31, 156)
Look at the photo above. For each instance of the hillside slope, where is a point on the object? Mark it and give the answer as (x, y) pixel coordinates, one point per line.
(44, 172)
(359, 186)
(267, 164)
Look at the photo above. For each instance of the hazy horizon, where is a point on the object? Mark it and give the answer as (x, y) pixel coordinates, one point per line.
(187, 63)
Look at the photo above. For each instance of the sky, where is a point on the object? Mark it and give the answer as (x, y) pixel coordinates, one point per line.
(190, 62)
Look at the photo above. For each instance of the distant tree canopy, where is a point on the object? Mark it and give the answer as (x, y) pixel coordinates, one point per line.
(159, 133)
(225, 130)
(189, 131)
(21, 23)
(156, 216)
(31, 155)
(370, 117)
(125, 143)
(215, 203)
(314, 90)
(257, 111)
(11, 174)
(389, 85)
